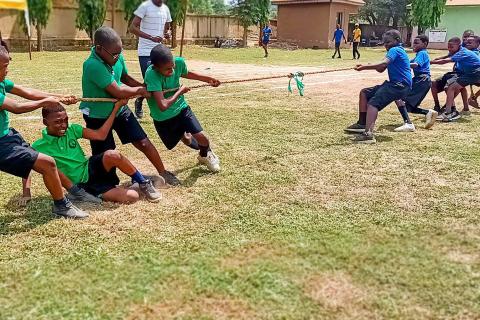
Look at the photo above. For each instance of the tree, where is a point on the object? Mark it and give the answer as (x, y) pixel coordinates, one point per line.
(427, 13)
(91, 15)
(129, 7)
(207, 7)
(385, 12)
(177, 11)
(250, 12)
(39, 11)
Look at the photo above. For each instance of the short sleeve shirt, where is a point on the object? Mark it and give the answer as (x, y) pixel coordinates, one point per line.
(399, 67)
(357, 34)
(157, 82)
(153, 23)
(5, 87)
(267, 32)
(423, 60)
(466, 61)
(66, 151)
(97, 76)
(338, 35)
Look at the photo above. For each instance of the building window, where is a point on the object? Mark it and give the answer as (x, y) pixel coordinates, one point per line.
(340, 18)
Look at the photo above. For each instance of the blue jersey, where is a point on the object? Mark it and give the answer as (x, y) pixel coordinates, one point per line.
(423, 60)
(477, 51)
(399, 66)
(266, 34)
(466, 61)
(338, 34)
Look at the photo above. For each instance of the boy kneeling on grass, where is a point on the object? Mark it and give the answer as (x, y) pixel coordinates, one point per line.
(96, 175)
(172, 116)
(375, 99)
(468, 73)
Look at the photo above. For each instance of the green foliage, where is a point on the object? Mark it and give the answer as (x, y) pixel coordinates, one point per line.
(177, 7)
(129, 7)
(251, 12)
(427, 13)
(90, 15)
(385, 12)
(39, 11)
(207, 7)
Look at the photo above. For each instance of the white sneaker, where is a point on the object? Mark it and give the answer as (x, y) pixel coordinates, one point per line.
(430, 118)
(211, 161)
(407, 127)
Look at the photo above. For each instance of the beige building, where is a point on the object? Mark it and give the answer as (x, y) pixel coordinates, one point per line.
(311, 23)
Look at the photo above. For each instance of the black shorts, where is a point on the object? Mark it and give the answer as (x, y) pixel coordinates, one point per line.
(100, 180)
(381, 96)
(467, 79)
(16, 156)
(172, 130)
(125, 125)
(420, 89)
(446, 80)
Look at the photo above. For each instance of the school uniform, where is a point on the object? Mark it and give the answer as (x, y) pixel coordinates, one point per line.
(421, 81)
(97, 76)
(399, 84)
(173, 123)
(267, 32)
(88, 173)
(467, 66)
(16, 155)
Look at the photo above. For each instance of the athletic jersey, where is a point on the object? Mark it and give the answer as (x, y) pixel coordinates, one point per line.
(399, 66)
(5, 87)
(267, 32)
(466, 61)
(338, 34)
(357, 35)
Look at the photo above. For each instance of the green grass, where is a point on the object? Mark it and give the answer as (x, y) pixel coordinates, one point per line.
(300, 224)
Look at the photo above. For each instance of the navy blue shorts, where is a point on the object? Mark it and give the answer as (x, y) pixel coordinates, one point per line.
(420, 89)
(125, 125)
(265, 42)
(446, 80)
(145, 62)
(100, 180)
(171, 131)
(381, 96)
(16, 156)
(467, 79)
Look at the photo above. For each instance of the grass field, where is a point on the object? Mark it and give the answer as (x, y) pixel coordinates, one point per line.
(300, 223)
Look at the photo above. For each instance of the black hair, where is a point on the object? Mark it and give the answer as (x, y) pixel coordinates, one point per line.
(46, 111)
(477, 39)
(423, 38)
(395, 34)
(160, 55)
(469, 32)
(455, 40)
(4, 51)
(105, 36)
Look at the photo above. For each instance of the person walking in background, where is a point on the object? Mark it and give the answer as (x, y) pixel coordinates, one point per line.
(337, 37)
(357, 36)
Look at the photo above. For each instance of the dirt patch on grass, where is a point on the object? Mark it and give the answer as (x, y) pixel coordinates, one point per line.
(215, 307)
(462, 257)
(250, 253)
(337, 293)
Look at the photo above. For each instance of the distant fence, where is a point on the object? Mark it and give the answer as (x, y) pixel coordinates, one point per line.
(370, 33)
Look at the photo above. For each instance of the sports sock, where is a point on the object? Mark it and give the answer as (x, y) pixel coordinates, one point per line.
(138, 177)
(61, 203)
(362, 118)
(204, 150)
(74, 189)
(404, 113)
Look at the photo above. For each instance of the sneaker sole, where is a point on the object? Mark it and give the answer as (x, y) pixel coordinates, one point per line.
(354, 130)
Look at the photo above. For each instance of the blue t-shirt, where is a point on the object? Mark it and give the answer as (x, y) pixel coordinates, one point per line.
(399, 66)
(338, 35)
(266, 34)
(477, 51)
(423, 60)
(466, 61)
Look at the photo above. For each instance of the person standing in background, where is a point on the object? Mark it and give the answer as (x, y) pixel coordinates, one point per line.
(357, 37)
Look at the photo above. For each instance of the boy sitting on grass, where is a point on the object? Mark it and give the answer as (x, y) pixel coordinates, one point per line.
(173, 118)
(16, 156)
(468, 73)
(421, 85)
(97, 174)
(375, 99)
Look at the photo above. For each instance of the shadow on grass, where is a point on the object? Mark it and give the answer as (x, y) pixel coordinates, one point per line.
(194, 175)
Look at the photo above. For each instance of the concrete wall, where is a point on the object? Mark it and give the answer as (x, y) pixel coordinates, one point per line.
(61, 34)
(311, 25)
(456, 20)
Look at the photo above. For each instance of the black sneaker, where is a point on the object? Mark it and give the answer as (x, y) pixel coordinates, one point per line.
(452, 116)
(69, 211)
(83, 196)
(355, 128)
(149, 191)
(365, 138)
(170, 178)
(139, 108)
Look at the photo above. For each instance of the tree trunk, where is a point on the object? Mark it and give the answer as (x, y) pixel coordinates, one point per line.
(39, 38)
(174, 34)
(245, 36)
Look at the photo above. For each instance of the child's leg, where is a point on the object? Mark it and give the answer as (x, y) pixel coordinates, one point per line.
(147, 147)
(464, 94)
(452, 91)
(362, 107)
(190, 141)
(46, 166)
(403, 111)
(434, 90)
(372, 115)
(203, 143)
(121, 195)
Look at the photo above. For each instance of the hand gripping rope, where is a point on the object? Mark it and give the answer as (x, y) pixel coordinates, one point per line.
(296, 76)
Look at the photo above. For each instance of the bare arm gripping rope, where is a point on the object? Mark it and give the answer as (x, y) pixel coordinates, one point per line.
(296, 76)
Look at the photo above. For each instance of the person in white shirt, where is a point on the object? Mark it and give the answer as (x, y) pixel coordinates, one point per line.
(151, 24)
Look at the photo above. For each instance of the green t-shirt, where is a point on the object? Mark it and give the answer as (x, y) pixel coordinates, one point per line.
(5, 87)
(66, 151)
(157, 82)
(97, 75)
